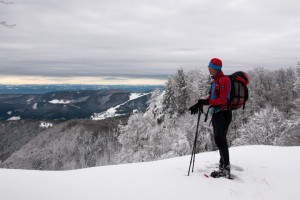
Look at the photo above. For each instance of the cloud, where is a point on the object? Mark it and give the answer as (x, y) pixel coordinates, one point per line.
(146, 39)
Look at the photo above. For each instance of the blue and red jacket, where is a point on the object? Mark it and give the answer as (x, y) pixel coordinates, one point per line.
(220, 92)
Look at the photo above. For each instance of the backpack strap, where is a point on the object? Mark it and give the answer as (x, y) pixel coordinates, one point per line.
(246, 96)
(231, 92)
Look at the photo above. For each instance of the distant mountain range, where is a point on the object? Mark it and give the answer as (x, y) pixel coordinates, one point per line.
(42, 89)
(66, 105)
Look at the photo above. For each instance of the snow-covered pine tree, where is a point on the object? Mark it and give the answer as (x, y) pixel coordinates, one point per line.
(168, 103)
(181, 92)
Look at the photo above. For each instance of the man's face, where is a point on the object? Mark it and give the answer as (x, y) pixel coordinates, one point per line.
(212, 71)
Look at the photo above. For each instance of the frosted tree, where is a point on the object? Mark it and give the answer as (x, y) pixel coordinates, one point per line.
(260, 88)
(282, 93)
(134, 139)
(274, 88)
(290, 135)
(198, 84)
(152, 135)
(181, 92)
(169, 105)
(264, 127)
(296, 89)
(140, 138)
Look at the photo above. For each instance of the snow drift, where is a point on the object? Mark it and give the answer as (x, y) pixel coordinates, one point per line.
(262, 172)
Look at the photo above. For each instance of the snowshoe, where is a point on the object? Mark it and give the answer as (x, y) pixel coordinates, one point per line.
(222, 172)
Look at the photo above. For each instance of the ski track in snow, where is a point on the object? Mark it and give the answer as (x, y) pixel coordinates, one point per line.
(263, 172)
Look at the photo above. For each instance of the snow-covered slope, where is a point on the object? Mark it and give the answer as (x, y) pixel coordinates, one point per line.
(262, 172)
(112, 112)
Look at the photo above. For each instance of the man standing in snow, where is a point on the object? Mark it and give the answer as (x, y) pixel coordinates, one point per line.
(221, 115)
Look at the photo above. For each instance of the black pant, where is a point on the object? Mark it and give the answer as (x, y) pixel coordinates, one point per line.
(221, 121)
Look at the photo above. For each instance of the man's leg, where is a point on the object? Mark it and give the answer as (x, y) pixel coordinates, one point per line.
(221, 121)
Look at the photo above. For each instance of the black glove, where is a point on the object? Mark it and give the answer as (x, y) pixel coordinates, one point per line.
(194, 109)
(198, 106)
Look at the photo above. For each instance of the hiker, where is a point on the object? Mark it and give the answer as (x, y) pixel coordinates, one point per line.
(221, 113)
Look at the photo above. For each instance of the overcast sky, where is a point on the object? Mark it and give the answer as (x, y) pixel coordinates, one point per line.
(143, 41)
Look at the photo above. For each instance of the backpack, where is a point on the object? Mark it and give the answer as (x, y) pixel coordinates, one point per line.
(239, 91)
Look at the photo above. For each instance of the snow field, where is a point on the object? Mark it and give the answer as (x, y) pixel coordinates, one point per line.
(262, 172)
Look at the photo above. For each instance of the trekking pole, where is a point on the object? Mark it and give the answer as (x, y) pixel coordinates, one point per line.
(195, 142)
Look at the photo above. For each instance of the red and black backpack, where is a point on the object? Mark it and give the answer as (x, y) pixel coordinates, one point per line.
(239, 91)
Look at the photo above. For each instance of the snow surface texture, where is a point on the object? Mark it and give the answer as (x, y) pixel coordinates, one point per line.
(262, 172)
(112, 112)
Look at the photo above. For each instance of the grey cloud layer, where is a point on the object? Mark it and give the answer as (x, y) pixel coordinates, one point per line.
(146, 38)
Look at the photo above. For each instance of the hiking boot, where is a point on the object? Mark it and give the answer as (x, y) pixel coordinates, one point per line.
(222, 172)
(226, 171)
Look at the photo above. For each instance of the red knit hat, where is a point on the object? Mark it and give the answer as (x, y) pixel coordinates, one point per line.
(216, 64)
